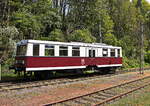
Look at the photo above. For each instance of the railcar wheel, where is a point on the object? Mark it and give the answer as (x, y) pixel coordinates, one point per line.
(43, 74)
(37, 75)
(47, 74)
(104, 71)
(112, 71)
(79, 71)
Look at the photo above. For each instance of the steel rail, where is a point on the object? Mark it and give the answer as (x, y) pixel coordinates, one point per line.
(33, 84)
(47, 83)
(120, 95)
(73, 98)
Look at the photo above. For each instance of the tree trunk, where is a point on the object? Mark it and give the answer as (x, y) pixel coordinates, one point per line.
(139, 3)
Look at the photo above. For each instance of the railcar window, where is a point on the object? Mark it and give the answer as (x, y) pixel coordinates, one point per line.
(105, 52)
(35, 50)
(49, 50)
(75, 51)
(63, 51)
(112, 52)
(118, 52)
(21, 50)
(91, 53)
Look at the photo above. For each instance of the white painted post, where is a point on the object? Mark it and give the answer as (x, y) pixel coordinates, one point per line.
(29, 49)
(82, 52)
(100, 54)
(121, 52)
(56, 50)
(109, 52)
(116, 52)
(70, 51)
(42, 50)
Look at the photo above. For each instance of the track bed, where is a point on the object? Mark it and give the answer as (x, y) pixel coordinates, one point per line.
(50, 94)
(104, 96)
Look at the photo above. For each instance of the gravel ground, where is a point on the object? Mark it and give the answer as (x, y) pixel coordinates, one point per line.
(46, 94)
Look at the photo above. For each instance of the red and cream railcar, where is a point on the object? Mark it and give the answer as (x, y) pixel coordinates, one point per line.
(36, 55)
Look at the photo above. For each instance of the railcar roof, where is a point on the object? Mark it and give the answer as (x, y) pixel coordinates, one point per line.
(22, 42)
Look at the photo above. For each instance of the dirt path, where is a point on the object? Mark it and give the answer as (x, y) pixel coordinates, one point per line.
(43, 95)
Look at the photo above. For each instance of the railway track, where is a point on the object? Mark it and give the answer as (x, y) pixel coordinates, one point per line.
(18, 86)
(105, 96)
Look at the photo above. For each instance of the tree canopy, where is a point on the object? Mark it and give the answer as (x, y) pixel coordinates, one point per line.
(118, 21)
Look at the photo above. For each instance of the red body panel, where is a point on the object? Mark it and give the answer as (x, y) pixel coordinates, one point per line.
(35, 62)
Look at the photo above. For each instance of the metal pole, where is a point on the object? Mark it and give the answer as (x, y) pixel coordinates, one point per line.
(0, 72)
(100, 32)
(142, 50)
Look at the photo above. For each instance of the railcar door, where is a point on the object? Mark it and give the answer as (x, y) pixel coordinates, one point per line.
(92, 60)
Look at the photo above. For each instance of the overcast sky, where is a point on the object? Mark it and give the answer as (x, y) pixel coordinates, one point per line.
(148, 1)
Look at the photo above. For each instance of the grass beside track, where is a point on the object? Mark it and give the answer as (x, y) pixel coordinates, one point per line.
(10, 75)
(138, 98)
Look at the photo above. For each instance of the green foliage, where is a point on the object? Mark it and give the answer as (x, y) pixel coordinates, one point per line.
(147, 56)
(7, 44)
(119, 22)
(82, 36)
(39, 7)
(28, 24)
(51, 21)
(110, 39)
(130, 63)
(7, 33)
(55, 35)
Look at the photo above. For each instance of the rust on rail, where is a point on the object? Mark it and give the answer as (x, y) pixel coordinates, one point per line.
(61, 101)
(120, 95)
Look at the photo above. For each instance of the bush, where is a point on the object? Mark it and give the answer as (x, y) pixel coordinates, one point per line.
(130, 63)
(6, 65)
(147, 57)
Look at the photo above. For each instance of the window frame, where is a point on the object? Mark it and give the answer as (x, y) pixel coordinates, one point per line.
(75, 49)
(25, 53)
(50, 47)
(104, 51)
(63, 48)
(38, 49)
(112, 52)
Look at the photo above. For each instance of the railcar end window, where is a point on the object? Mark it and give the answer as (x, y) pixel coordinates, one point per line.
(49, 50)
(36, 50)
(118, 52)
(105, 52)
(21, 50)
(112, 53)
(63, 51)
(75, 51)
